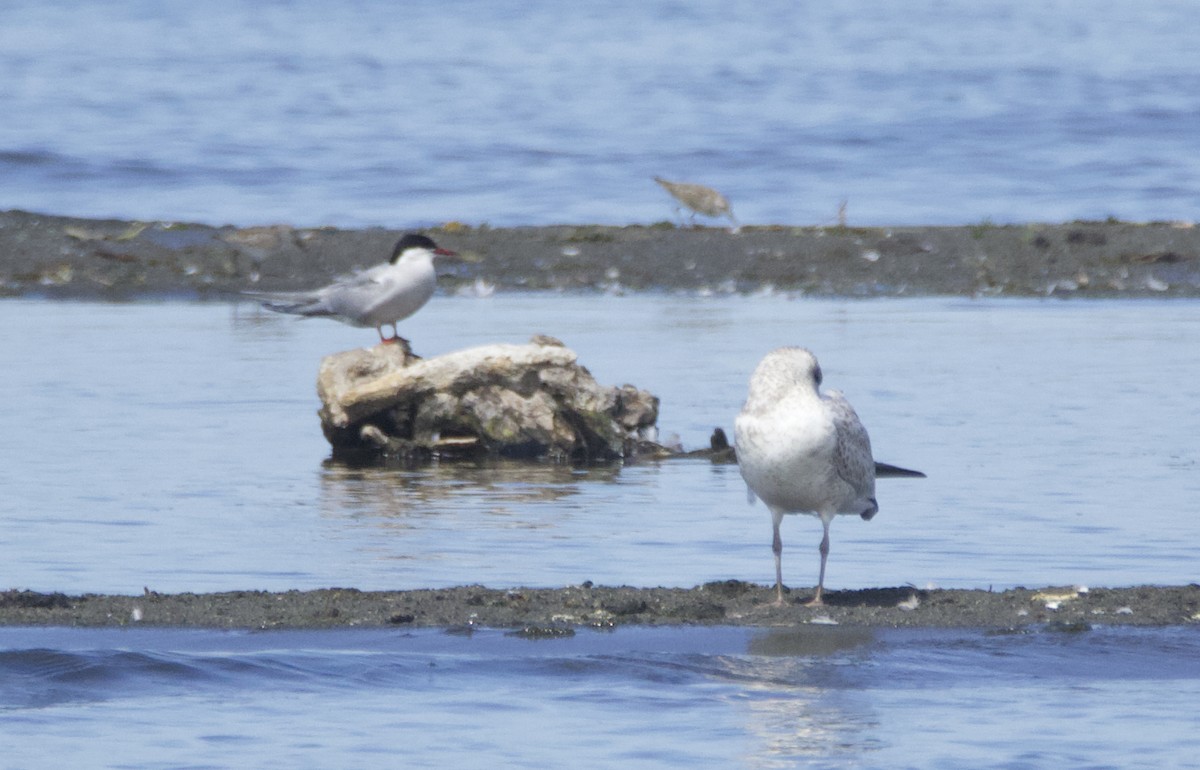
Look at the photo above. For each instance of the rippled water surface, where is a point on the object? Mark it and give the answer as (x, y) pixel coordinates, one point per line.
(720, 697)
(364, 113)
(175, 446)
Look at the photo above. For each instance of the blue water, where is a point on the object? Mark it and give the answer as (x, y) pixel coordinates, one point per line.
(712, 697)
(373, 113)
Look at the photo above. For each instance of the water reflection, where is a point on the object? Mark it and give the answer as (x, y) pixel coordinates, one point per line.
(798, 701)
(499, 487)
(810, 641)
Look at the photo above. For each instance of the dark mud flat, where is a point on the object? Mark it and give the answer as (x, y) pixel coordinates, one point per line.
(553, 612)
(43, 255)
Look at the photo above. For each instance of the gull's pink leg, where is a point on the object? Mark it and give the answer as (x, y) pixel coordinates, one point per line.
(816, 600)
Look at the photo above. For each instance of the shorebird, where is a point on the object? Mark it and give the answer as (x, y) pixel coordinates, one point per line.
(379, 296)
(802, 451)
(698, 198)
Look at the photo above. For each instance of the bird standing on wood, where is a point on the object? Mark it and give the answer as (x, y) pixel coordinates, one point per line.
(381, 295)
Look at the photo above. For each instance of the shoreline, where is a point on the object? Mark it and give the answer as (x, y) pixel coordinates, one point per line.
(559, 611)
(62, 257)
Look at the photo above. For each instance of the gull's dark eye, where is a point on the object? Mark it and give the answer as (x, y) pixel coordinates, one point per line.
(817, 377)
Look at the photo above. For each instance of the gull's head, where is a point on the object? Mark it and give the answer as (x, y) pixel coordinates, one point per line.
(414, 246)
(785, 371)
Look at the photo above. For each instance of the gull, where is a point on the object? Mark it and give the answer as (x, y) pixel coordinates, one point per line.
(700, 199)
(381, 295)
(802, 451)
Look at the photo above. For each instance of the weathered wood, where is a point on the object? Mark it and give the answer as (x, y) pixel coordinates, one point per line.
(531, 400)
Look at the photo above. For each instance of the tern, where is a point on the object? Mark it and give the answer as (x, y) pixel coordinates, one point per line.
(801, 451)
(700, 199)
(379, 296)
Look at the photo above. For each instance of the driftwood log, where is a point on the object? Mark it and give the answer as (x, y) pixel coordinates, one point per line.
(531, 401)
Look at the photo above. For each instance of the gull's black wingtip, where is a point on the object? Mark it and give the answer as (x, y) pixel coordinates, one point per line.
(883, 470)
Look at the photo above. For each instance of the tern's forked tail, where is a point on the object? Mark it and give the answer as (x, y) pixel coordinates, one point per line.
(293, 303)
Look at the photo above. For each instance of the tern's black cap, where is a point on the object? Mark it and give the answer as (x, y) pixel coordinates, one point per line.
(412, 240)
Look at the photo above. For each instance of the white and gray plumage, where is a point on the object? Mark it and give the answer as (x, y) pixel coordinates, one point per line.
(381, 295)
(700, 199)
(801, 451)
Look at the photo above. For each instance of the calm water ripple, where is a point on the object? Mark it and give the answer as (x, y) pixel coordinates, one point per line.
(309, 114)
(175, 446)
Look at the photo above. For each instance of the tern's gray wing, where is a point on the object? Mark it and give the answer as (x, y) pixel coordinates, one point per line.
(358, 280)
(852, 457)
(334, 299)
(280, 297)
(358, 294)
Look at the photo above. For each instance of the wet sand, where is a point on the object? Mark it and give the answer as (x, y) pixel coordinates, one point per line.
(68, 258)
(42, 255)
(559, 611)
